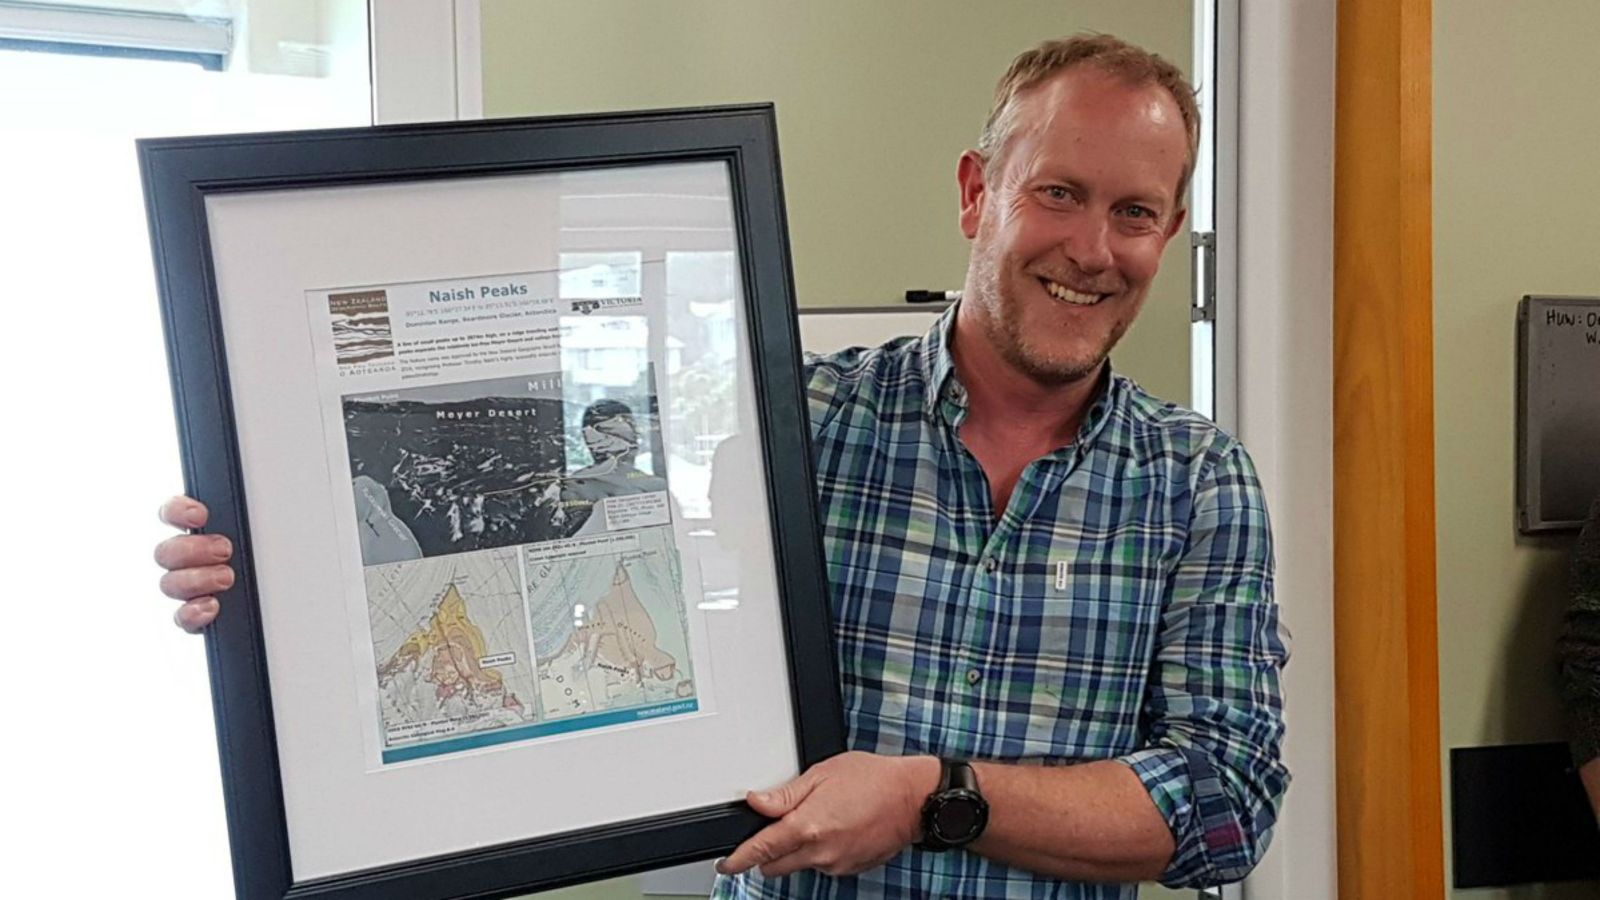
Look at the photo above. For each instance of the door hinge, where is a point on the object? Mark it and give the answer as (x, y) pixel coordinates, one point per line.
(1203, 293)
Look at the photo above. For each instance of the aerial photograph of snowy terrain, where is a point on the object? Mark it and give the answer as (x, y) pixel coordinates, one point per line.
(470, 466)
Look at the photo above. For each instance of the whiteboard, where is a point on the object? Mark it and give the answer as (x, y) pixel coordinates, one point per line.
(827, 330)
(1558, 411)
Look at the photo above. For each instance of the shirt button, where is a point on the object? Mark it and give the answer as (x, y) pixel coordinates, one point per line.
(990, 564)
(974, 676)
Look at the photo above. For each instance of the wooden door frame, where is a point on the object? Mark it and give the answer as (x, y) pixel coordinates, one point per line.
(1390, 817)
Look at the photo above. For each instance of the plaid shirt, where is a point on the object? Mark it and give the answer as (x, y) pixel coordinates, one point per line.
(1121, 608)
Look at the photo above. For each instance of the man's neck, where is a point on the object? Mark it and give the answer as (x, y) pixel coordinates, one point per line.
(1003, 400)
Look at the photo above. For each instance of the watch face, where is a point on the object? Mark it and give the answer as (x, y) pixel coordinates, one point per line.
(959, 817)
(956, 818)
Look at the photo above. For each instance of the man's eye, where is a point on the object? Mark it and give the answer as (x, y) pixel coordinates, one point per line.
(1057, 192)
(1140, 212)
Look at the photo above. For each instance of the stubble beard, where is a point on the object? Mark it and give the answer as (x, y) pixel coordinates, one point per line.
(1002, 326)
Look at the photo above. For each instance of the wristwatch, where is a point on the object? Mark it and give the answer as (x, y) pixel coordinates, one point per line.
(955, 814)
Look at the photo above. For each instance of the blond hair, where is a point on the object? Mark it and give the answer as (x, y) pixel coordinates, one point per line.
(1110, 55)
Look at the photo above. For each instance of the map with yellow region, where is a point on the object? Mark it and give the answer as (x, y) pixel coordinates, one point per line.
(450, 638)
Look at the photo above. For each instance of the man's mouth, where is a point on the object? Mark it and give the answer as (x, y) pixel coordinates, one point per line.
(1068, 295)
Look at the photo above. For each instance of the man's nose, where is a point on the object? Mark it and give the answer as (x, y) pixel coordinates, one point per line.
(1087, 242)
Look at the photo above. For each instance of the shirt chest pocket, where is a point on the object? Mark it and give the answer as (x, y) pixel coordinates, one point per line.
(1080, 666)
(1098, 587)
(1097, 617)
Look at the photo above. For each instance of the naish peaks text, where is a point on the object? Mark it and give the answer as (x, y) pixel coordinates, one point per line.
(509, 289)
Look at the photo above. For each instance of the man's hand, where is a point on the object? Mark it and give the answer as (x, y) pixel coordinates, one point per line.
(197, 564)
(841, 816)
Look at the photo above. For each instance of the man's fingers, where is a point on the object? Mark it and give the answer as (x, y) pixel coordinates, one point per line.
(772, 842)
(196, 564)
(781, 838)
(766, 803)
(804, 858)
(828, 860)
(188, 551)
(776, 803)
(188, 584)
(184, 512)
(194, 615)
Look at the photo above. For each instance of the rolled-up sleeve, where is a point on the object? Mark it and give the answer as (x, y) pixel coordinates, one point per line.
(1214, 708)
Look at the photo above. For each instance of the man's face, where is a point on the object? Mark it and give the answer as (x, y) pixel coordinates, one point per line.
(1069, 221)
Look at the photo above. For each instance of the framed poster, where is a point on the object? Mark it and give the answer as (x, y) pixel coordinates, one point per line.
(506, 423)
(1558, 411)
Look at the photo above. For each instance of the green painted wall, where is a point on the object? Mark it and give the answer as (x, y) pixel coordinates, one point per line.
(875, 103)
(1516, 184)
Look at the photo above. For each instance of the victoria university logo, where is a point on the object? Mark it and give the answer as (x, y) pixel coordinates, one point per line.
(606, 303)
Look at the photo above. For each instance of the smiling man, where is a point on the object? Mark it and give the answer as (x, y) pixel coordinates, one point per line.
(1052, 592)
(1077, 203)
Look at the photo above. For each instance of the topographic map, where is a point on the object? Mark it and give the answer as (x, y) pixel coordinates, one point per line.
(609, 627)
(451, 642)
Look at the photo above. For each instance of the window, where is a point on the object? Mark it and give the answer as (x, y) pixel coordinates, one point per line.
(113, 727)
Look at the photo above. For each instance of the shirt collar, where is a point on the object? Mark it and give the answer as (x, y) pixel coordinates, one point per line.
(939, 367)
(1109, 397)
(946, 397)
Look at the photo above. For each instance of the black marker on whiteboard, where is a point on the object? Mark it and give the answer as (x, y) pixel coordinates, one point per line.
(932, 296)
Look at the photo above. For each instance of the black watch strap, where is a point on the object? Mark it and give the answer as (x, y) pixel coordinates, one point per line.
(956, 804)
(957, 773)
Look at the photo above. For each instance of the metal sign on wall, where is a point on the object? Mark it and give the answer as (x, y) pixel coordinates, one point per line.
(1558, 411)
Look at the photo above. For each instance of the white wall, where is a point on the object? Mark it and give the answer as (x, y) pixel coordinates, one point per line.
(1286, 394)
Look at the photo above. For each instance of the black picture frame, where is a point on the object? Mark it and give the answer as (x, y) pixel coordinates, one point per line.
(179, 174)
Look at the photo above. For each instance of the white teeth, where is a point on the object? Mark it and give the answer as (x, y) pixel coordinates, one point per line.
(1061, 292)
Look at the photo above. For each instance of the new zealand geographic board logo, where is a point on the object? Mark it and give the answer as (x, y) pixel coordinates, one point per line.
(361, 331)
(588, 306)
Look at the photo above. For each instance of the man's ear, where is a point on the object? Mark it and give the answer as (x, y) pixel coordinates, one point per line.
(1174, 225)
(969, 177)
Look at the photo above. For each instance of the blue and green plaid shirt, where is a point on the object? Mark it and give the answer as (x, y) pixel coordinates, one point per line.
(1121, 608)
